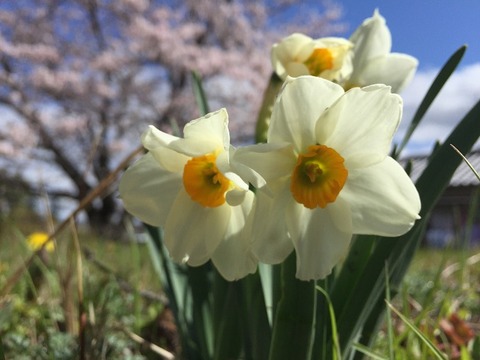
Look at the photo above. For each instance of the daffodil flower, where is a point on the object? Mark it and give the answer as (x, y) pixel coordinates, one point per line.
(187, 186)
(327, 175)
(373, 63)
(299, 54)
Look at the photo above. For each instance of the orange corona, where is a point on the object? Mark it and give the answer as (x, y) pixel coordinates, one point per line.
(318, 177)
(320, 60)
(204, 182)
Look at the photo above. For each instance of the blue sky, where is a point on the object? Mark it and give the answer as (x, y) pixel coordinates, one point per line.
(430, 30)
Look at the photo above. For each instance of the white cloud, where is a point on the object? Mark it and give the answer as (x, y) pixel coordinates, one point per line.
(457, 97)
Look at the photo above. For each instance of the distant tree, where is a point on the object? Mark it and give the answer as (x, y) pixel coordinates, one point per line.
(80, 79)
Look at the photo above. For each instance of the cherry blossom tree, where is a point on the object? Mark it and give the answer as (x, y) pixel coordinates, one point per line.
(81, 79)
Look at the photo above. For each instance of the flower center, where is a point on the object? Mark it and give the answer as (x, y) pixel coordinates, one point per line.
(320, 60)
(204, 182)
(318, 177)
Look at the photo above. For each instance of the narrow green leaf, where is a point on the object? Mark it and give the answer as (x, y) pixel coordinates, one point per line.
(254, 318)
(366, 351)
(175, 287)
(200, 284)
(466, 161)
(323, 347)
(294, 321)
(389, 314)
(227, 319)
(199, 93)
(434, 350)
(337, 353)
(442, 77)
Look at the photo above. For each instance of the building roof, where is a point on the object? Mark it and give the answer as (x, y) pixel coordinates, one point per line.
(463, 176)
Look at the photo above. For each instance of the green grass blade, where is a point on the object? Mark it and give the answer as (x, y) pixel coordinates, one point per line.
(199, 93)
(466, 161)
(434, 350)
(389, 315)
(336, 351)
(293, 331)
(369, 353)
(442, 77)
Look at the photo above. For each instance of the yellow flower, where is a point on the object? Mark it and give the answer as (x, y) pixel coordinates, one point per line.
(36, 240)
(326, 174)
(188, 186)
(299, 54)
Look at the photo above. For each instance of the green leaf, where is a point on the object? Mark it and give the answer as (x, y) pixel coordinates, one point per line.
(186, 291)
(199, 93)
(336, 351)
(294, 319)
(466, 161)
(254, 318)
(434, 350)
(227, 314)
(437, 85)
(366, 351)
(389, 315)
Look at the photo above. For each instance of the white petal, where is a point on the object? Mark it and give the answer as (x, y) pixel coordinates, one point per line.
(148, 191)
(192, 231)
(382, 198)
(169, 159)
(271, 243)
(194, 147)
(212, 127)
(153, 138)
(236, 196)
(360, 126)
(233, 257)
(204, 135)
(223, 165)
(319, 243)
(341, 215)
(298, 107)
(268, 161)
(296, 69)
(372, 38)
(293, 49)
(395, 70)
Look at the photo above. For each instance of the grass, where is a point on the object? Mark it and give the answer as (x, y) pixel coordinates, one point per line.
(117, 310)
(49, 314)
(440, 296)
